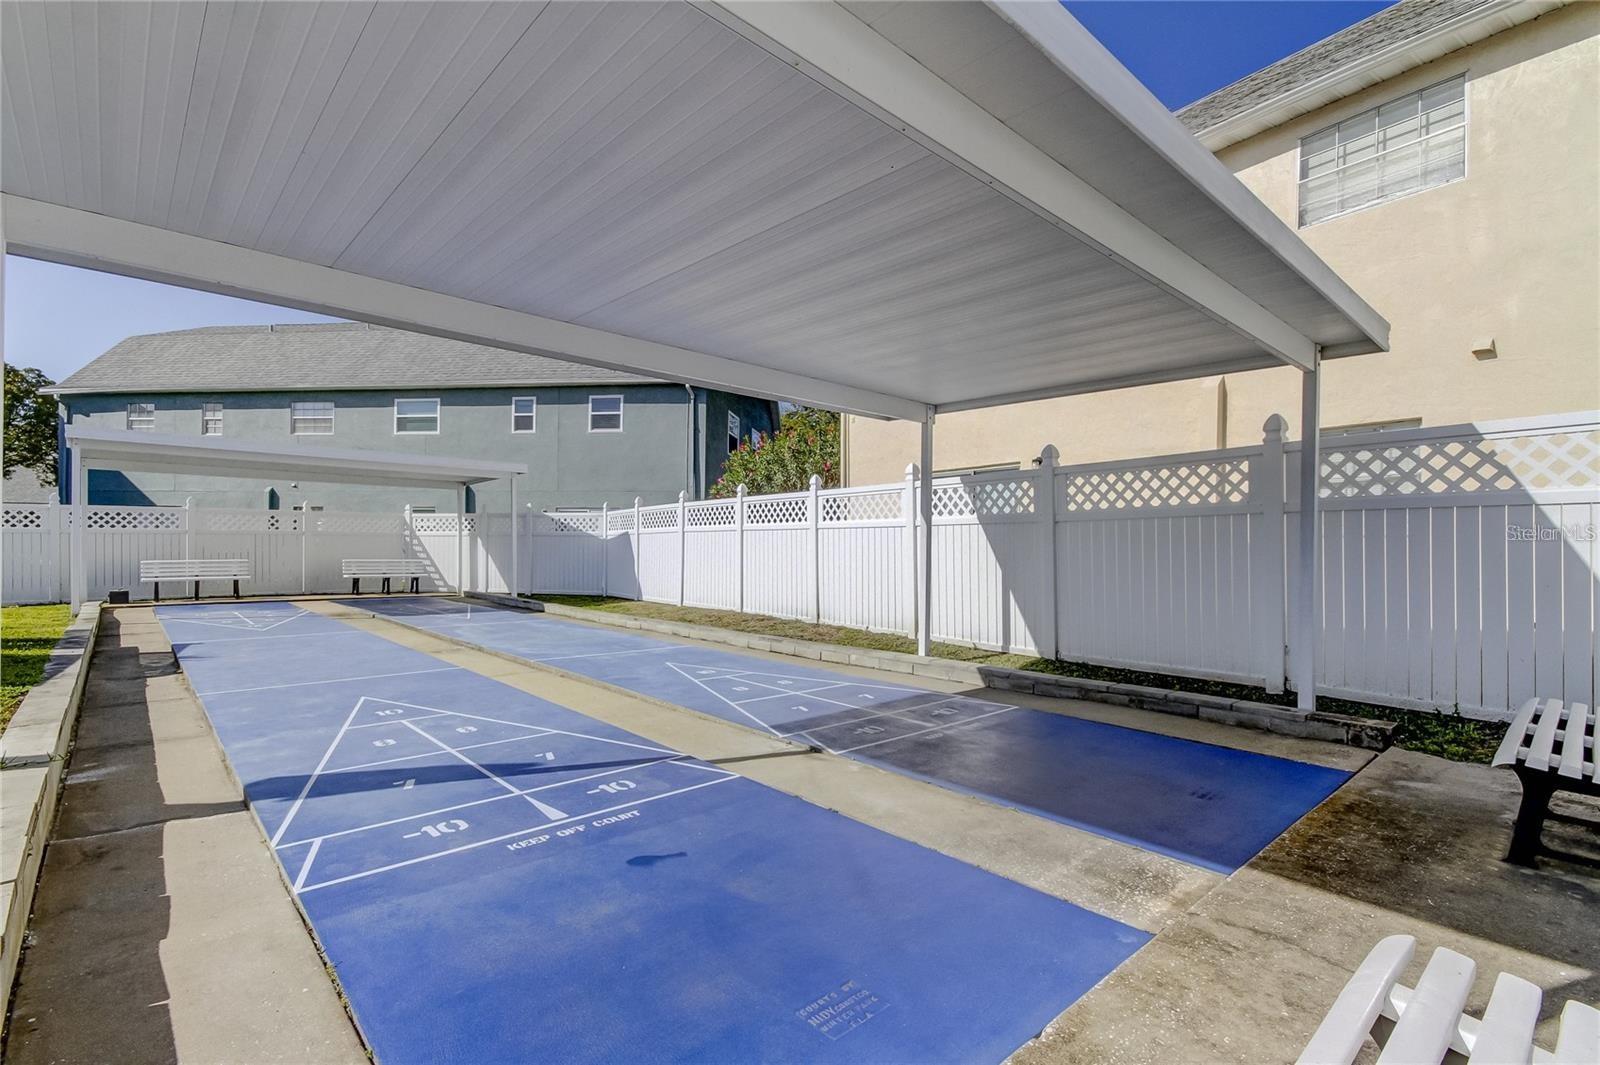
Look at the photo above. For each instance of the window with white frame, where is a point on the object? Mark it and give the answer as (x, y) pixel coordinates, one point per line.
(141, 416)
(524, 414)
(1389, 151)
(312, 417)
(605, 414)
(211, 419)
(416, 416)
(733, 433)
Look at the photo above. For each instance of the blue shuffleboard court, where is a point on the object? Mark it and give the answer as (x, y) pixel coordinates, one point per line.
(1212, 806)
(496, 878)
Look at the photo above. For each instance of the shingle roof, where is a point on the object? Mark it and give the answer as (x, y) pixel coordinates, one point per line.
(1392, 26)
(331, 357)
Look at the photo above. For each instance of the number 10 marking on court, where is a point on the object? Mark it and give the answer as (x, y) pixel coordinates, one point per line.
(443, 828)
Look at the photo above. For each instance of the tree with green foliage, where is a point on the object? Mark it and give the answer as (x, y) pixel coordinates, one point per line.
(806, 443)
(30, 429)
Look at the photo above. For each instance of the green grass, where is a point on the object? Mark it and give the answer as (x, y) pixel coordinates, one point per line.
(27, 635)
(1446, 735)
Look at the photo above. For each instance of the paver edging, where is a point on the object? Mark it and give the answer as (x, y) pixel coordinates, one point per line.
(33, 758)
(1364, 733)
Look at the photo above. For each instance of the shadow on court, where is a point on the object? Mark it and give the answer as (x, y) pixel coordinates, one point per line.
(355, 781)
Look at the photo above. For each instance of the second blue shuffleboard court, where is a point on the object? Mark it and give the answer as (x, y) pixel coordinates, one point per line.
(1209, 805)
(498, 878)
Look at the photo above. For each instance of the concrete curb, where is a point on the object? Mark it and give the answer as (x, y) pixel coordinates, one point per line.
(1359, 732)
(33, 759)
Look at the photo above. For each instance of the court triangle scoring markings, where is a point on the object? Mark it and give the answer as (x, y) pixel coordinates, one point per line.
(371, 710)
(782, 681)
(234, 619)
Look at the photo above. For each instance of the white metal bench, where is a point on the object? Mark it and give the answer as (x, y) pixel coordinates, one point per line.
(1550, 746)
(1427, 1022)
(386, 568)
(154, 571)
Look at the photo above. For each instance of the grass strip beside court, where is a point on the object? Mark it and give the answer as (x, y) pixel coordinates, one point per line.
(1451, 736)
(27, 636)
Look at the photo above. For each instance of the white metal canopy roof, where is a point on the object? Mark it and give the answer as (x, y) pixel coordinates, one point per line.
(886, 208)
(125, 449)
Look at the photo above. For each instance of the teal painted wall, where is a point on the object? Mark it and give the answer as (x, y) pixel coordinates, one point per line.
(568, 466)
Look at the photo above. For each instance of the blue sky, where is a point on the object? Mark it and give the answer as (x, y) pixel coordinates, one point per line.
(58, 318)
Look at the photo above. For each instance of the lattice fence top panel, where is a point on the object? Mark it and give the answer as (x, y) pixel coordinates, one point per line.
(429, 524)
(653, 519)
(777, 510)
(353, 522)
(246, 521)
(722, 514)
(1156, 487)
(23, 516)
(1531, 463)
(863, 506)
(140, 519)
(1011, 497)
(621, 521)
(578, 524)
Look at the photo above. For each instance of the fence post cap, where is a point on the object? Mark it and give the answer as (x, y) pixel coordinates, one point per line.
(1274, 427)
(911, 471)
(740, 490)
(683, 495)
(1049, 455)
(816, 481)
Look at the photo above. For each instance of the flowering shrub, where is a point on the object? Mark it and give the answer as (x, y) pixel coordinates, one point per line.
(807, 442)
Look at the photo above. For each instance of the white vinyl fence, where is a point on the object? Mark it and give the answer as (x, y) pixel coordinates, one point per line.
(290, 551)
(1458, 565)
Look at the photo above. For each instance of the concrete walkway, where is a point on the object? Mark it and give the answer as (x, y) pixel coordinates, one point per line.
(1413, 844)
(161, 931)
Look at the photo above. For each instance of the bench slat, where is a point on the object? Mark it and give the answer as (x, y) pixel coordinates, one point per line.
(1506, 1035)
(384, 567)
(194, 568)
(1579, 1041)
(1507, 754)
(1573, 742)
(1542, 746)
(1340, 1036)
(1425, 1029)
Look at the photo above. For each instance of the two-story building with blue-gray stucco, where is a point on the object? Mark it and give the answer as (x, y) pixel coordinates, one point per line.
(588, 435)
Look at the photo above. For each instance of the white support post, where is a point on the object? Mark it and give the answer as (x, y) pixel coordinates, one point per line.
(638, 539)
(305, 538)
(461, 539)
(605, 548)
(80, 515)
(188, 527)
(516, 540)
(1046, 639)
(738, 543)
(53, 523)
(683, 558)
(814, 512)
(925, 503)
(908, 508)
(1267, 498)
(1303, 652)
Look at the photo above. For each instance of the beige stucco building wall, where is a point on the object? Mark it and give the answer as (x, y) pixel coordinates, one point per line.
(1510, 253)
